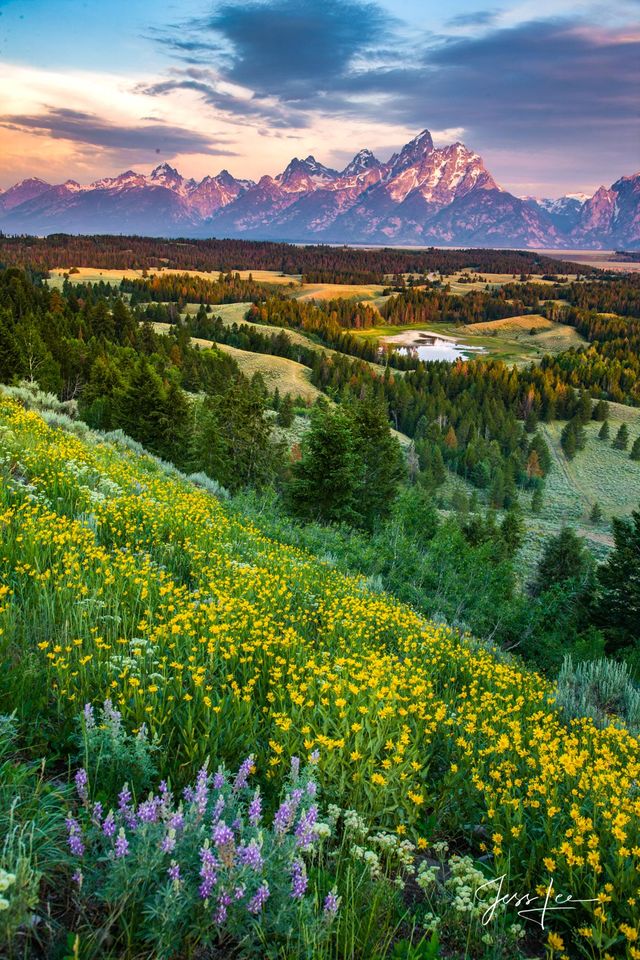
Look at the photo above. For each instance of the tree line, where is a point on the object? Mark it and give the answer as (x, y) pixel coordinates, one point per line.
(314, 261)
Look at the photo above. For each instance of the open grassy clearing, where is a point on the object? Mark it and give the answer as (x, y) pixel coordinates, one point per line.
(602, 259)
(599, 473)
(509, 339)
(231, 313)
(278, 372)
(334, 291)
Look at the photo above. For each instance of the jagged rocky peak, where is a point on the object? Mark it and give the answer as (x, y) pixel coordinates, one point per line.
(307, 170)
(412, 152)
(165, 172)
(364, 160)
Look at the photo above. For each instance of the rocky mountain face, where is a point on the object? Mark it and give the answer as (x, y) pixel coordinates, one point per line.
(423, 195)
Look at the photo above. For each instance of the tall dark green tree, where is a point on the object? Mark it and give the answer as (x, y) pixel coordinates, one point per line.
(142, 412)
(382, 460)
(621, 439)
(285, 411)
(565, 557)
(618, 610)
(326, 483)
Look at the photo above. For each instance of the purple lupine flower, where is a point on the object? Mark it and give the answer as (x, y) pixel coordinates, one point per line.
(259, 899)
(218, 780)
(296, 796)
(304, 831)
(188, 794)
(238, 892)
(74, 836)
(331, 904)
(77, 878)
(149, 810)
(89, 719)
(222, 834)
(174, 872)
(177, 821)
(312, 788)
(163, 788)
(217, 810)
(168, 842)
(255, 809)
(207, 873)
(283, 817)
(243, 773)
(109, 825)
(299, 880)
(96, 813)
(110, 712)
(315, 756)
(81, 780)
(127, 811)
(201, 794)
(122, 844)
(250, 856)
(295, 767)
(220, 914)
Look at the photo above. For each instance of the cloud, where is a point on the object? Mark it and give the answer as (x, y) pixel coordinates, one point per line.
(288, 54)
(86, 128)
(480, 18)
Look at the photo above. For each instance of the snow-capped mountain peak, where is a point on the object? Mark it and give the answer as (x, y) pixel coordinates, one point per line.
(364, 160)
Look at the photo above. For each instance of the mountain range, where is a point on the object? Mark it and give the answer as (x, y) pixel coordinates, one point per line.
(423, 195)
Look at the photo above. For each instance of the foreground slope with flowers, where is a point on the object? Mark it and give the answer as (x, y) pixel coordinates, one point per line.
(120, 579)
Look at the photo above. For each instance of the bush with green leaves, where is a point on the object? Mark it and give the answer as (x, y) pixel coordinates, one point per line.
(32, 848)
(600, 689)
(171, 872)
(110, 754)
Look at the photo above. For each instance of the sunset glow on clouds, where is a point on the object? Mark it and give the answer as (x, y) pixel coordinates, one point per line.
(551, 103)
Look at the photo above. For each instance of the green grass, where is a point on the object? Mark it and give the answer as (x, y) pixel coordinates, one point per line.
(597, 474)
(513, 345)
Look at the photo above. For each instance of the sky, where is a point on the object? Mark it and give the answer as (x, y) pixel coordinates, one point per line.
(547, 91)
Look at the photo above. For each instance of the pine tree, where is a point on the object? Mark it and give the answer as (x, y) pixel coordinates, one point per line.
(635, 449)
(568, 440)
(381, 456)
(451, 440)
(286, 412)
(497, 490)
(621, 440)
(141, 409)
(11, 361)
(175, 441)
(326, 481)
(601, 410)
(565, 557)
(123, 323)
(603, 432)
(536, 500)
(619, 605)
(596, 513)
(512, 530)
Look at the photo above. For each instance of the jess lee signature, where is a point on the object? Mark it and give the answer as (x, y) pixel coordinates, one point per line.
(536, 907)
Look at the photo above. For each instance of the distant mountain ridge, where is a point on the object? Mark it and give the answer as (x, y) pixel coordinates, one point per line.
(423, 195)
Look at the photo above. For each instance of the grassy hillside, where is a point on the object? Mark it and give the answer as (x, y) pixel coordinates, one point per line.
(287, 376)
(123, 580)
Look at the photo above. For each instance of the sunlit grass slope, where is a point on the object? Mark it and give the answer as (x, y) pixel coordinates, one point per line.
(120, 579)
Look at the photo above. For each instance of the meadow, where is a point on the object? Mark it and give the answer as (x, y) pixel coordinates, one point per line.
(122, 580)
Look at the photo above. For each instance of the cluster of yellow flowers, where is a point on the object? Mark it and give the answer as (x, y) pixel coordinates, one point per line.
(133, 584)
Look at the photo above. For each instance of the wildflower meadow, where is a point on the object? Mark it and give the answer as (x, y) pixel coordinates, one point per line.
(126, 589)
